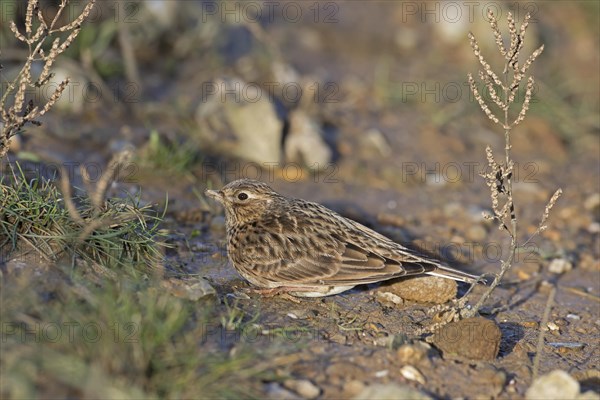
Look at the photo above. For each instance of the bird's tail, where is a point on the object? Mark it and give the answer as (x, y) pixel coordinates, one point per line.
(451, 273)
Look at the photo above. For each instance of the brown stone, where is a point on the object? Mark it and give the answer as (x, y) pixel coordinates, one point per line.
(473, 338)
(423, 289)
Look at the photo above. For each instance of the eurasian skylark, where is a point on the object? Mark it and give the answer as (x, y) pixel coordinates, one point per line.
(305, 249)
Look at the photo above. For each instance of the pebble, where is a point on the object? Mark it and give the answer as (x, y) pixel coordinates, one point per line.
(303, 387)
(411, 354)
(552, 326)
(353, 388)
(193, 291)
(15, 143)
(592, 203)
(304, 142)
(560, 266)
(388, 297)
(412, 374)
(472, 338)
(339, 372)
(594, 227)
(574, 317)
(381, 374)
(75, 100)
(589, 263)
(390, 391)
(239, 119)
(384, 341)
(275, 391)
(374, 139)
(530, 324)
(554, 385)
(423, 289)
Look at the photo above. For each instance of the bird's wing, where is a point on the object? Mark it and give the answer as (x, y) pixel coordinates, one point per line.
(300, 250)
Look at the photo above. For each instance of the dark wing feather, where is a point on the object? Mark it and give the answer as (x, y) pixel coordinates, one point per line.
(314, 246)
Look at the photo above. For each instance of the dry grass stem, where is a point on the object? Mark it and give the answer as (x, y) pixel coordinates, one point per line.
(97, 196)
(543, 326)
(499, 175)
(15, 111)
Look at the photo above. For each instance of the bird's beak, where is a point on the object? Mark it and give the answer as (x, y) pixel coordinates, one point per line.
(215, 194)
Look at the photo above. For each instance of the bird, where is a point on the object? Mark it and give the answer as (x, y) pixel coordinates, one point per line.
(304, 249)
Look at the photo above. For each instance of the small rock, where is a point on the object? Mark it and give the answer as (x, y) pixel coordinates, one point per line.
(14, 143)
(384, 341)
(412, 374)
(560, 266)
(594, 227)
(589, 263)
(77, 95)
(574, 317)
(239, 119)
(301, 313)
(352, 388)
(472, 338)
(381, 374)
(411, 354)
(388, 297)
(552, 326)
(592, 203)
(304, 143)
(187, 290)
(374, 141)
(305, 388)
(554, 385)
(15, 266)
(275, 391)
(390, 391)
(530, 324)
(423, 289)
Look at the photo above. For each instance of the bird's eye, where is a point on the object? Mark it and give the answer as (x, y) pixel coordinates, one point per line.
(242, 196)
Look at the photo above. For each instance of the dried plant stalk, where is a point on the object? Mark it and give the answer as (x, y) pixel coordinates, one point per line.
(14, 112)
(499, 177)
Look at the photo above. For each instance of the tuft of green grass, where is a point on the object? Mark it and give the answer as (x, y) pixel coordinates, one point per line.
(34, 219)
(166, 158)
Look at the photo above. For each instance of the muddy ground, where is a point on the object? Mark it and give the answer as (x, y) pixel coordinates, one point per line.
(407, 142)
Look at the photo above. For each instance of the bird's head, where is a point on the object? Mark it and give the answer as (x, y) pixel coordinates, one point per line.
(244, 200)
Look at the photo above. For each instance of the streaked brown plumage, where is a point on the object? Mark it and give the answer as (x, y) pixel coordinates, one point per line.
(308, 250)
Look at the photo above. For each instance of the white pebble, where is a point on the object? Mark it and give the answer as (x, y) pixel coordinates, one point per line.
(382, 373)
(412, 374)
(305, 388)
(555, 385)
(560, 266)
